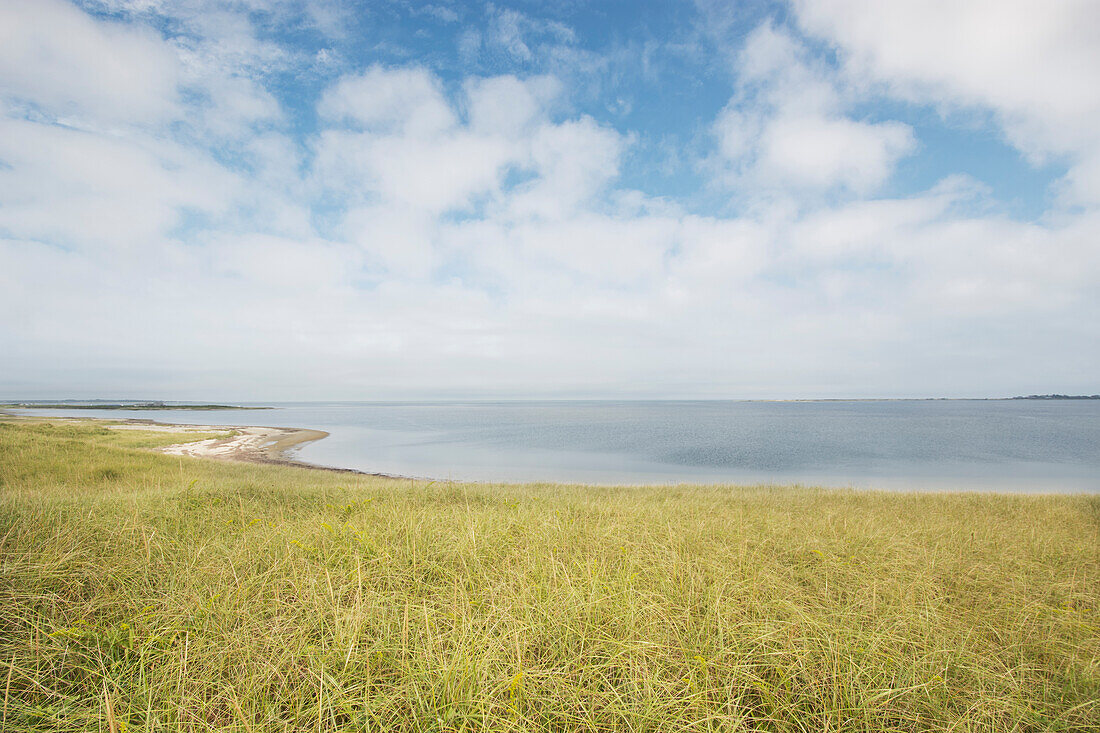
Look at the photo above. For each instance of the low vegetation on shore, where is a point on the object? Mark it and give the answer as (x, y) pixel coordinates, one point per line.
(121, 406)
(145, 592)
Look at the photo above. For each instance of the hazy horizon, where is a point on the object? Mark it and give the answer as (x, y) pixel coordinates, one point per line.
(343, 200)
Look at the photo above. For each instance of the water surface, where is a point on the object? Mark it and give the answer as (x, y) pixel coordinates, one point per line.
(1011, 445)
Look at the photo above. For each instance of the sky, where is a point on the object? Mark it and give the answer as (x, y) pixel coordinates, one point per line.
(289, 200)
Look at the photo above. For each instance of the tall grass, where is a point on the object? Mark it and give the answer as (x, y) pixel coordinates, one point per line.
(146, 592)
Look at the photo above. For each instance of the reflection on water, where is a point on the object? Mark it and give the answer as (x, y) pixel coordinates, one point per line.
(943, 444)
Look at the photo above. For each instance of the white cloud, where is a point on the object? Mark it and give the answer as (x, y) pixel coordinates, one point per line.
(399, 240)
(598, 249)
(717, 254)
(786, 129)
(59, 60)
(573, 161)
(406, 144)
(1035, 65)
(438, 173)
(395, 101)
(508, 106)
(818, 152)
(84, 188)
(399, 153)
(295, 266)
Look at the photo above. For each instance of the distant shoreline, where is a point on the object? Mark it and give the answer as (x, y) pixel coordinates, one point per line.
(161, 406)
(1059, 397)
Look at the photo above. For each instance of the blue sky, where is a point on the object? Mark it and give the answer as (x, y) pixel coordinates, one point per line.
(370, 200)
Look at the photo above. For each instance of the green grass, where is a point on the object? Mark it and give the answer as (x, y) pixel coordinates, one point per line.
(145, 592)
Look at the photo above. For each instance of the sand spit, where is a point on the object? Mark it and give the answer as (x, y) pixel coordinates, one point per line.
(247, 443)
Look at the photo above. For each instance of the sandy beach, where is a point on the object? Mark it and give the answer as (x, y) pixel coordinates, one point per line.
(248, 443)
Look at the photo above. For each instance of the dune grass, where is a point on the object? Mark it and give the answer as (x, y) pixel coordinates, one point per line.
(145, 592)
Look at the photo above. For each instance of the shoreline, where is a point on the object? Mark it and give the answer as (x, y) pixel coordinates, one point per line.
(251, 444)
(269, 445)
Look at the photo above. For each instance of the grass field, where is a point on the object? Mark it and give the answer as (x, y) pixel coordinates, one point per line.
(146, 592)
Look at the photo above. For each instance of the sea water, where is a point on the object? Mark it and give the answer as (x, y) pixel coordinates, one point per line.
(1004, 445)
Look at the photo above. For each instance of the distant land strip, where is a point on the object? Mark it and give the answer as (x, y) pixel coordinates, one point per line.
(122, 406)
(1059, 397)
(158, 405)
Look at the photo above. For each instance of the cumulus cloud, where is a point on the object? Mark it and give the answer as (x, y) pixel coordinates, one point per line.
(1035, 66)
(507, 105)
(399, 153)
(58, 60)
(389, 100)
(787, 128)
(394, 139)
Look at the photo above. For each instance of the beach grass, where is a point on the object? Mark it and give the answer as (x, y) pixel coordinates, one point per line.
(145, 592)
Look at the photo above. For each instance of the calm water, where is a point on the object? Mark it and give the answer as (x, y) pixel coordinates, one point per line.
(1002, 445)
